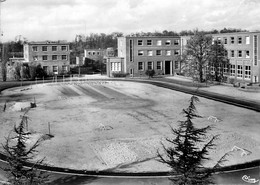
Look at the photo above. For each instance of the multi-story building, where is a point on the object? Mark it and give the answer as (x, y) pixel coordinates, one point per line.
(244, 54)
(138, 54)
(54, 57)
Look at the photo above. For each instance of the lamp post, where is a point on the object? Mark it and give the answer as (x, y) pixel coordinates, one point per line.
(2, 47)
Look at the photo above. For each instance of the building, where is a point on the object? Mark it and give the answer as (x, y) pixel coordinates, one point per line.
(244, 54)
(54, 57)
(138, 54)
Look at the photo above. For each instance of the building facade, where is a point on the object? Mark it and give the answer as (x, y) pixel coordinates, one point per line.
(54, 57)
(146, 53)
(244, 54)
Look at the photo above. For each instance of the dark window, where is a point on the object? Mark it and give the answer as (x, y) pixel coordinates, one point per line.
(44, 48)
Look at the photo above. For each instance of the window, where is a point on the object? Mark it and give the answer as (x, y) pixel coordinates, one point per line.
(219, 40)
(177, 52)
(159, 42)
(150, 65)
(54, 57)
(64, 48)
(35, 48)
(44, 48)
(176, 64)
(45, 68)
(89, 53)
(255, 50)
(239, 40)
(98, 53)
(239, 71)
(247, 54)
(140, 66)
(93, 53)
(177, 42)
(140, 42)
(159, 65)
(55, 69)
(158, 52)
(225, 40)
(54, 48)
(64, 68)
(168, 42)
(140, 52)
(232, 40)
(225, 68)
(248, 72)
(168, 52)
(150, 53)
(149, 42)
(35, 58)
(239, 53)
(115, 66)
(226, 53)
(232, 53)
(44, 57)
(131, 50)
(247, 40)
(232, 70)
(63, 57)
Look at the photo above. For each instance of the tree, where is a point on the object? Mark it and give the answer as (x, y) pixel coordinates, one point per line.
(218, 60)
(189, 150)
(4, 58)
(18, 154)
(198, 47)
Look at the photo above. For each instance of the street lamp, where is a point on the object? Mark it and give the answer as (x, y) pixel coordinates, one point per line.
(2, 47)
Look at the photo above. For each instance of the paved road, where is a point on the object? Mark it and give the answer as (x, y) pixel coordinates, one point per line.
(231, 177)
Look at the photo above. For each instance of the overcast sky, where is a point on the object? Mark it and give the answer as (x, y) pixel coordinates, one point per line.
(39, 20)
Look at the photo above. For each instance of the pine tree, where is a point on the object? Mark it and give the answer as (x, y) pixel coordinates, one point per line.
(18, 154)
(189, 150)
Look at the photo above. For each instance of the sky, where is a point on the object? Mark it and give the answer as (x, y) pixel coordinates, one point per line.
(40, 20)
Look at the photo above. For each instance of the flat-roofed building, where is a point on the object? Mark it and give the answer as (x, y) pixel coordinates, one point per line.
(143, 53)
(244, 54)
(54, 56)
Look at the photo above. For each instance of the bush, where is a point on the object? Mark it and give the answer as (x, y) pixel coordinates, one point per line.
(118, 75)
(150, 73)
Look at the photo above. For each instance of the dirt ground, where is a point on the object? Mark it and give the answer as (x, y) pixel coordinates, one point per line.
(119, 126)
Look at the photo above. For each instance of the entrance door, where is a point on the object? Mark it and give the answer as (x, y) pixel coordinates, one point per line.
(167, 67)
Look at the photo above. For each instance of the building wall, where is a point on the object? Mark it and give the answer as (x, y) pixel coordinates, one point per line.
(244, 54)
(142, 53)
(54, 57)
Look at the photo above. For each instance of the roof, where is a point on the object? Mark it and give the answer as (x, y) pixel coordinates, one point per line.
(150, 37)
(59, 42)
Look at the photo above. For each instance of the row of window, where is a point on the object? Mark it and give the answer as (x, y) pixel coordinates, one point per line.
(53, 57)
(150, 65)
(93, 53)
(150, 42)
(240, 71)
(158, 52)
(234, 40)
(45, 48)
(240, 53)
(55, 68)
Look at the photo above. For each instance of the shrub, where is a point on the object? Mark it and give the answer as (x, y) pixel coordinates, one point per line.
(150, 73)
(118, 75)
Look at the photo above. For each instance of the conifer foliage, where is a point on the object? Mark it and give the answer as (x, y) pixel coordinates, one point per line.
(188, 150)
(18, 154)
